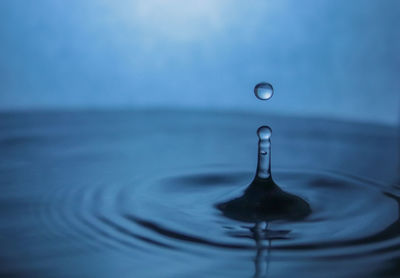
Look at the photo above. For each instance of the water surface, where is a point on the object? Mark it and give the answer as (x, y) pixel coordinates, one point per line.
(134, 194)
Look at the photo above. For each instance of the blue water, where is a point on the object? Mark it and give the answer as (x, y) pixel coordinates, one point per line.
(134, 194)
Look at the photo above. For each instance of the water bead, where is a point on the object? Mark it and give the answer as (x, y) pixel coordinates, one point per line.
(264, 132)
(263, 91)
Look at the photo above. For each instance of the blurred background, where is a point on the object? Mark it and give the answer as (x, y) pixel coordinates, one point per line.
(331, 59)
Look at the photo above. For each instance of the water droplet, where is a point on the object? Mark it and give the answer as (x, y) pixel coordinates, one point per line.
(263, 91)
(264, 132)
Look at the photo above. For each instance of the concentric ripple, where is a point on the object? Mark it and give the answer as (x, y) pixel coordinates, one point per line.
(350, 216)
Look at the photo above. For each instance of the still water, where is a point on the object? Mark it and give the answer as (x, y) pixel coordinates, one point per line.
(139, 194)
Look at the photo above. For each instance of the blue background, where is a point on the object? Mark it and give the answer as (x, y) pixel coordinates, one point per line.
(336, 59)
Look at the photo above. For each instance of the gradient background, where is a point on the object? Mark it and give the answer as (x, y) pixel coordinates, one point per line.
(336, 59)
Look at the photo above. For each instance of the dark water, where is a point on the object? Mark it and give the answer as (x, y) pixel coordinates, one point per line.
(134, 194)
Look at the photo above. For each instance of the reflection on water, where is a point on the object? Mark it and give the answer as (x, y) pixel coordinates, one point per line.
(134, 194)
(260, 260)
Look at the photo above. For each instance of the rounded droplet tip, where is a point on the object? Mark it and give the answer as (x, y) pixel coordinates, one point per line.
(264, 132)
(263, 91)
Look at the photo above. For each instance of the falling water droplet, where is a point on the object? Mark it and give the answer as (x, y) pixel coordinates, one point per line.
(263, 91)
